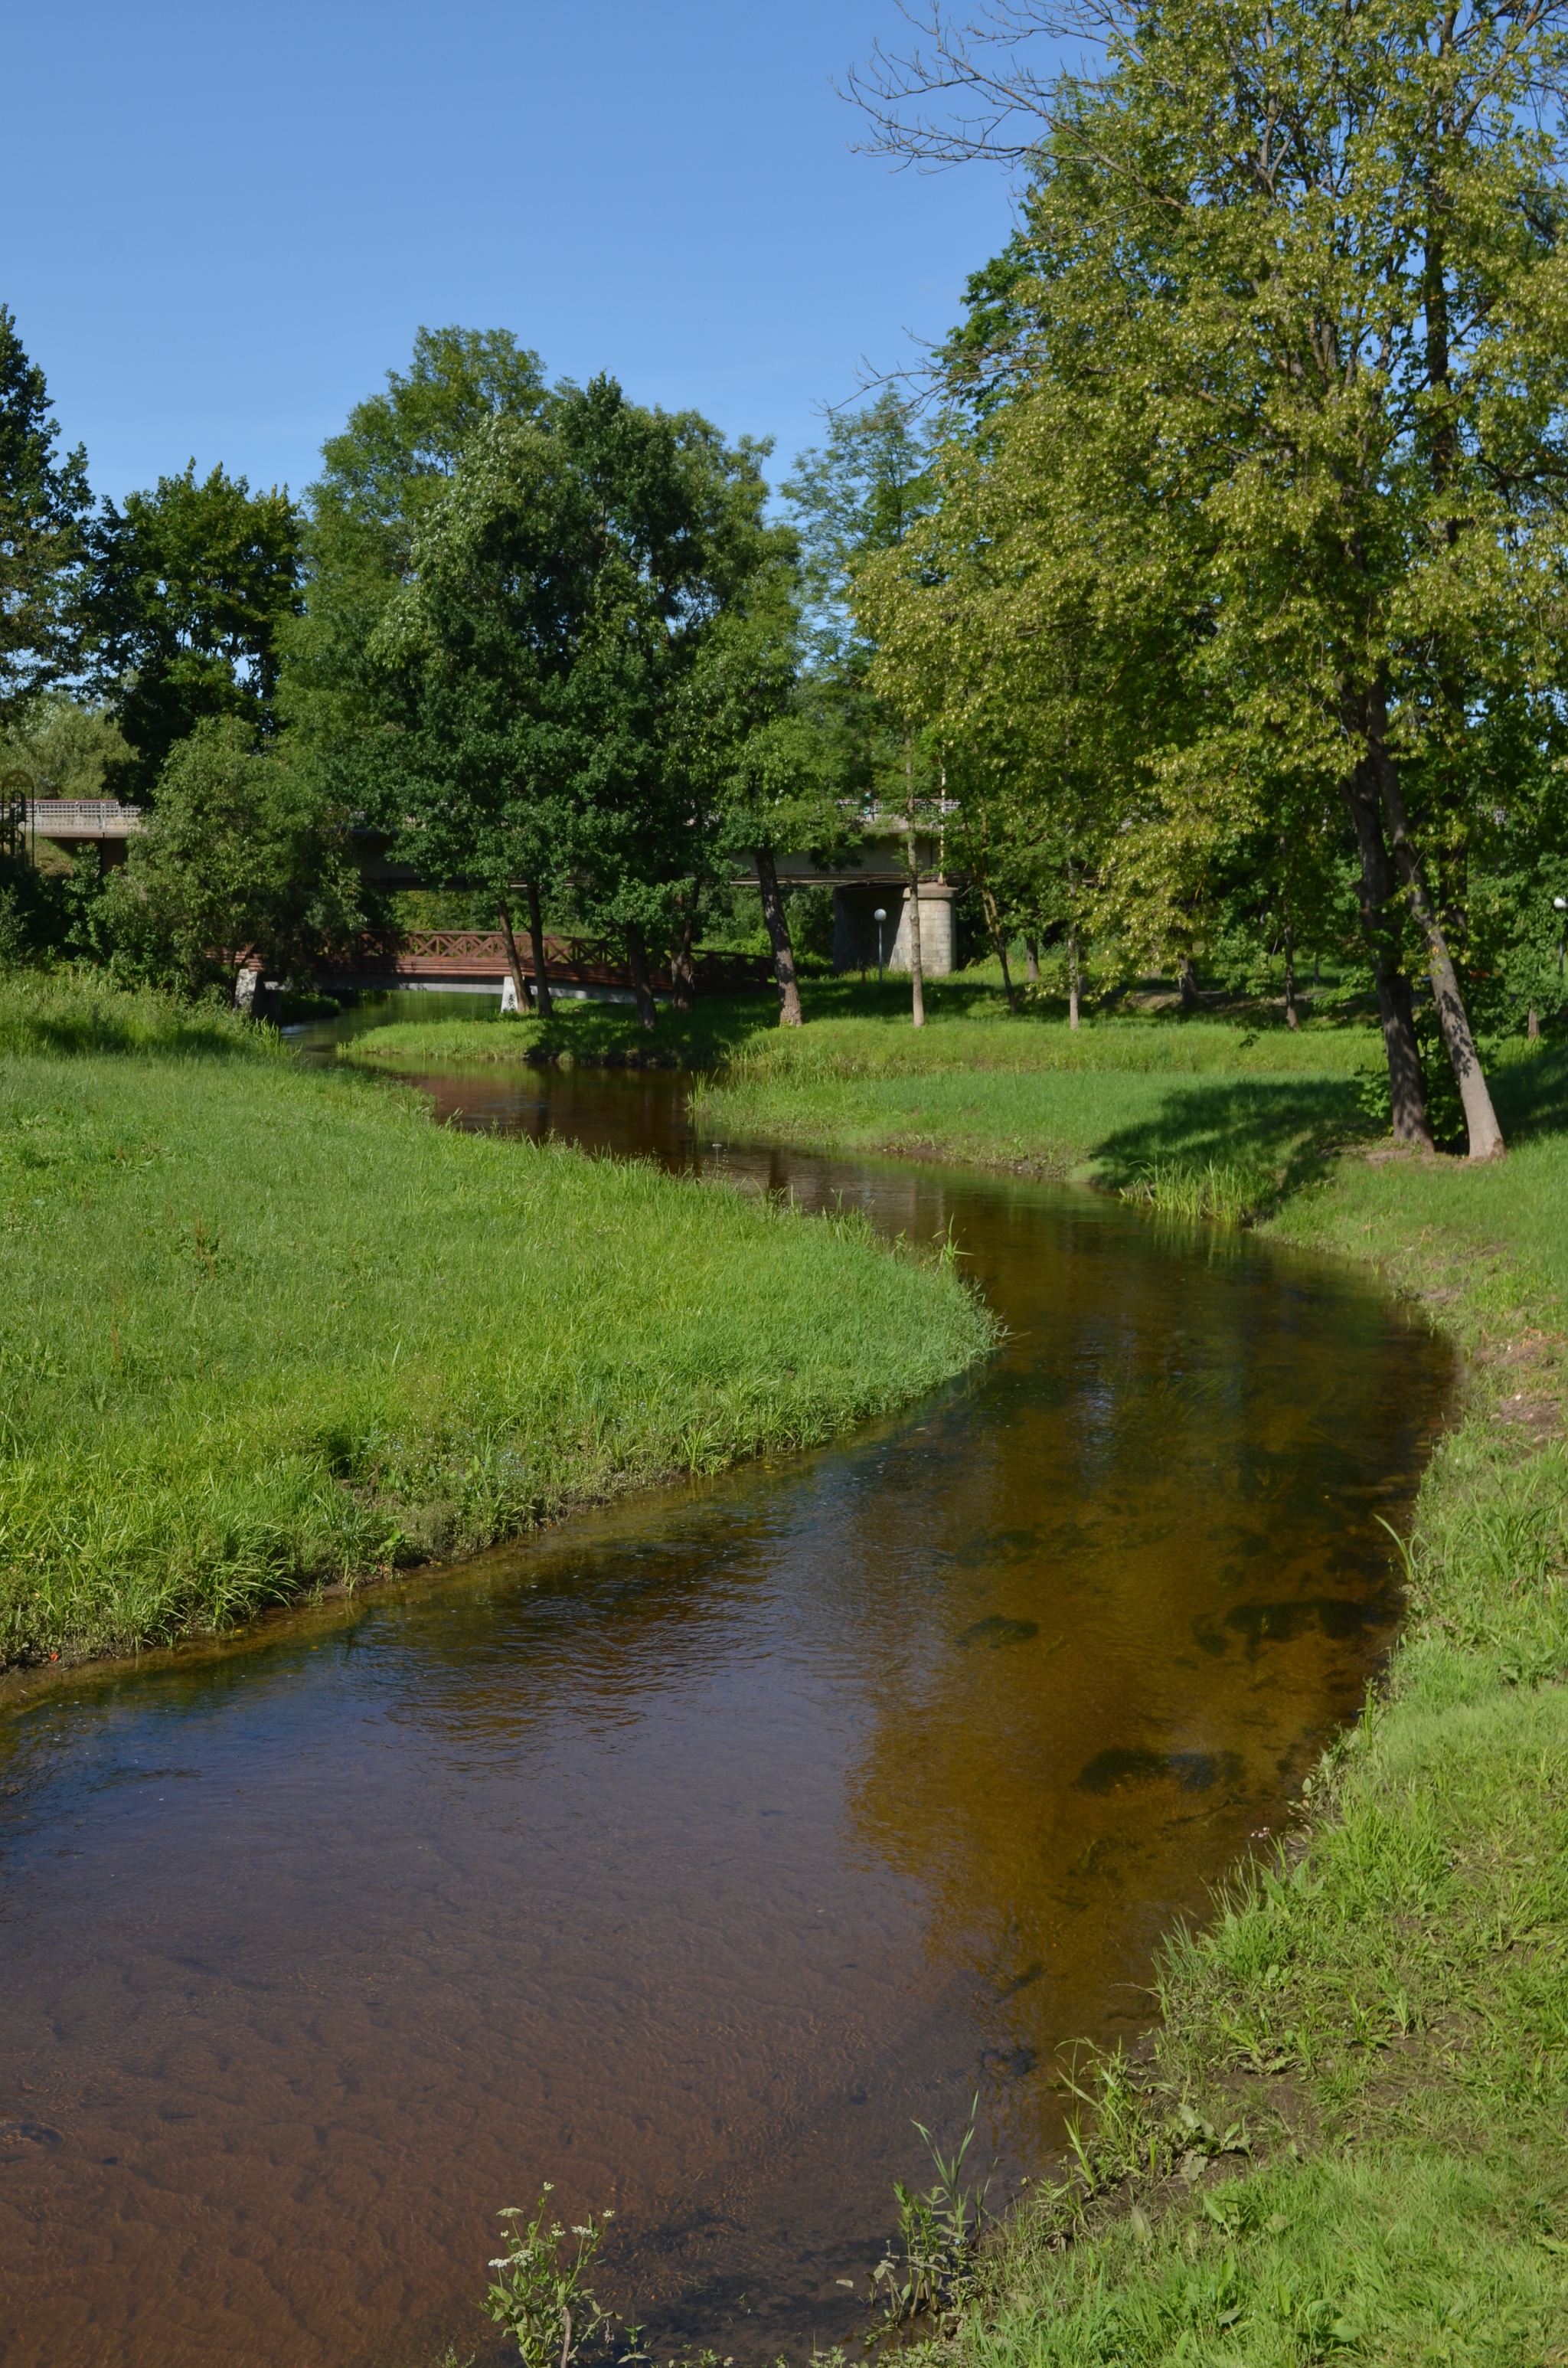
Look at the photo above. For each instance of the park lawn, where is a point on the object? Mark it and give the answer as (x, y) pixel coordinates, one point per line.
(264, 1327)
(857, 1031)
(1196, 1116)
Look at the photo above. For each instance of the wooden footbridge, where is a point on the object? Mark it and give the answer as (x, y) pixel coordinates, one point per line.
(475, 961)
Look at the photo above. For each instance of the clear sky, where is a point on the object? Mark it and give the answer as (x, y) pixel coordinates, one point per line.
(219, 227)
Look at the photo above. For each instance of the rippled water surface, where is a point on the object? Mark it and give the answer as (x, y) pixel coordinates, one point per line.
(688, 1854)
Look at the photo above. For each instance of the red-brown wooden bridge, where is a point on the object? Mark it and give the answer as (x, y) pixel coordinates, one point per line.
(476, 960)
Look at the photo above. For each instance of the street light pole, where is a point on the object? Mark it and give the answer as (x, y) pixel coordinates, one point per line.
(1560, 906)
(879, 916)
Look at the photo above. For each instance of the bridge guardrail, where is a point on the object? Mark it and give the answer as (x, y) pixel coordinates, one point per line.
(481, 954)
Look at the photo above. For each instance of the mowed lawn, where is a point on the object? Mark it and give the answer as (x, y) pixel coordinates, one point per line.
(263, 1326)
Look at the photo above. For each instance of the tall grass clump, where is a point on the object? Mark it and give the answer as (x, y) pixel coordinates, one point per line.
(1219, 1192)
(266, 1327)
(72, 1012)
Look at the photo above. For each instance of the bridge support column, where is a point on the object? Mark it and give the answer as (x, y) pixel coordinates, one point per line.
(936, 930)
(854, 931)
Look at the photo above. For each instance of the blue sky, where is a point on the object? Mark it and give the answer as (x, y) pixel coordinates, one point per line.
(222, 226)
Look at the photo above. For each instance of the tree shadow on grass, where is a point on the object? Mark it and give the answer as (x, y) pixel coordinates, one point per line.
(1531, 1095)
(1272, 1136)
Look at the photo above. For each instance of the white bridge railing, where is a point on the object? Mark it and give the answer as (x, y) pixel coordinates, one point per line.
(82, 818)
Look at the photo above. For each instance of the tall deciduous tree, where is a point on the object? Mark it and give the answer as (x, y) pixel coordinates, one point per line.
(240, 852)
(530, 669)
(1299, 304)
(380, 477)
(858, 494)
(758, 759)
(192, 586)
(44, 504)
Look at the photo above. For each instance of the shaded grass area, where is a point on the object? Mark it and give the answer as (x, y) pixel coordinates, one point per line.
(1350, 2138)
(265, 1328)
(857, 1032)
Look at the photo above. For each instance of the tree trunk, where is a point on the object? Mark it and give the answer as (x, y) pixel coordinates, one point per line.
(1031, 959)
(514, 959)
(777, 927)
(993, 925)
(917, 976)
(542, 1003)
(1407, 1092)
(637, 955)
(1074, 979)
(1480, 1118)
(683, 971)
(1532, 1025)
(1291, 1021)
(1187, 985)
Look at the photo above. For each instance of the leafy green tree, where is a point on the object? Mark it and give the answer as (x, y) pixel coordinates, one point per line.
(192, 587)
(759, 762)
(528, 672)
(1297, 328)
(380, 477)
(240, 854)
(44, 505)
(861, 494)
(64, 745)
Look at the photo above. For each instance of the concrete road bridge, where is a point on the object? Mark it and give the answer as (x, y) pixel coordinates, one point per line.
(872, 876)
(71, 824)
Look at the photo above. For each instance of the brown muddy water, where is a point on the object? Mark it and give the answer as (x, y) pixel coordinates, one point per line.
(688, 1855)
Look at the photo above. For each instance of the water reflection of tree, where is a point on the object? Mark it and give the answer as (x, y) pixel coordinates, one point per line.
(1200, 1437)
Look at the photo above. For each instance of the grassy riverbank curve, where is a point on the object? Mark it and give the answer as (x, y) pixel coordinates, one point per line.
(266, 1328)
(1345, 2140)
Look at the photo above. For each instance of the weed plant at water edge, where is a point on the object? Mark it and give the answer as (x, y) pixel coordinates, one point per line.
(1221, 1195)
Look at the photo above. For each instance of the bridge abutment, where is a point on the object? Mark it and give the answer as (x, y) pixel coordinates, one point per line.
(854, 931)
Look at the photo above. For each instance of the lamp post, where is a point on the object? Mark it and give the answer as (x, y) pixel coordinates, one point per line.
(879, 916)
(1560, 906)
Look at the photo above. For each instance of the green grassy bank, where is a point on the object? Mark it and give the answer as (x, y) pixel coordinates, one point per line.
(1348, 2139)
(606, 1033)
(1201, 1117)
(263, 1326)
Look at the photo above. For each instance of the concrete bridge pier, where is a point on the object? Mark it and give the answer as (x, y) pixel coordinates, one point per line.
(854, 931)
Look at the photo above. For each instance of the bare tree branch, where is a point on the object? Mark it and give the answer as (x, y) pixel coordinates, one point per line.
(999, 102)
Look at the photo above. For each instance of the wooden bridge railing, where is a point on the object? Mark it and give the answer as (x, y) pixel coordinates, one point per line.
(481, 954)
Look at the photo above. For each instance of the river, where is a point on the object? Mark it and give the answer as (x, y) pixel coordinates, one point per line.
(689, 1854)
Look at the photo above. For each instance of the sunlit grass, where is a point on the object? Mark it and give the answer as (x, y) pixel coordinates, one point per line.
(263, 1326)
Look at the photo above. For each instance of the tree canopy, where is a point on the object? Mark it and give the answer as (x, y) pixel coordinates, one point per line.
(1272, 513)
(192, 585)
(44, 505)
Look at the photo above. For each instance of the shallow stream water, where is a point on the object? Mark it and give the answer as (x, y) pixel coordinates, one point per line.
(686, 1855)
